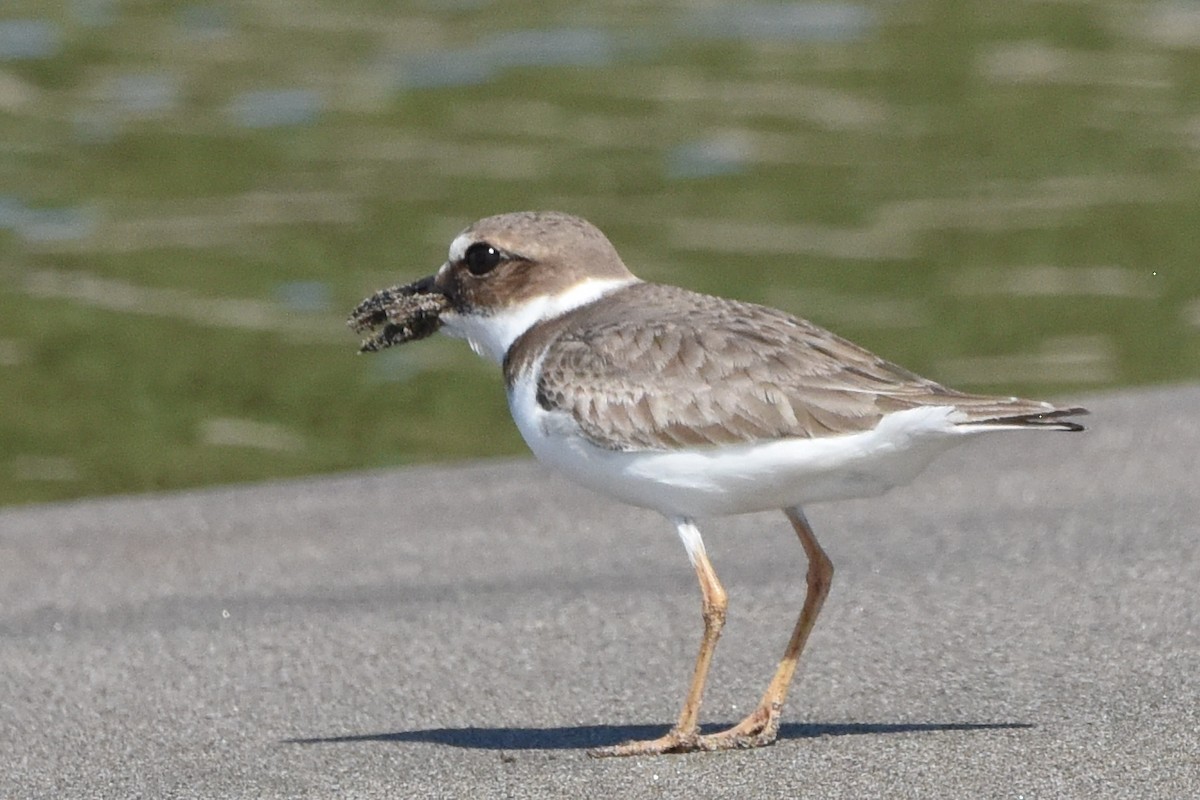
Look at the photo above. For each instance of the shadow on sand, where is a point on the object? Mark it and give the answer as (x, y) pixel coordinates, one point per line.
(588, 736)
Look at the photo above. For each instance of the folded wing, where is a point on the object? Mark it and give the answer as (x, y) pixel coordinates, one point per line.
(682, 369)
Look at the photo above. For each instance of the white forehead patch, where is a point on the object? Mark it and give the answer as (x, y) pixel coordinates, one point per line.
(458, 248)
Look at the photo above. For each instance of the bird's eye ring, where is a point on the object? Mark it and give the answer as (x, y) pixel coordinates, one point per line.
(481, 258)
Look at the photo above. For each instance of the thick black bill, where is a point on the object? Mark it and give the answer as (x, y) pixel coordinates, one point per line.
(399, 314)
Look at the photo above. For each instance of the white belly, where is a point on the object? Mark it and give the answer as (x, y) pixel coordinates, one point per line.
(737, 479)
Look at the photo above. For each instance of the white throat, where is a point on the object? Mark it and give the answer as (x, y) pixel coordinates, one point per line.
(491, 333)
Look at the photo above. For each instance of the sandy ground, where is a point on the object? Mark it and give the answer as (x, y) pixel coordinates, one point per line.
(1023, 621)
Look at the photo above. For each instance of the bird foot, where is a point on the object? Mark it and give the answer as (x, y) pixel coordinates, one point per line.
(674, 741)
(758, 729)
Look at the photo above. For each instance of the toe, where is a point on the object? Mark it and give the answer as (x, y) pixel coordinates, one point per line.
(673, 742)
(758, 729)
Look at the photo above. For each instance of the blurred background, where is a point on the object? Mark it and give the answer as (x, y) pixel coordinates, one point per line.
(1002, 195)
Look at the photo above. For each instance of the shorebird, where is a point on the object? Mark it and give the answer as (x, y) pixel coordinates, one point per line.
(691, 405)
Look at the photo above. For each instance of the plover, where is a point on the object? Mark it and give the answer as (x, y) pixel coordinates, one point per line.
(691, 405)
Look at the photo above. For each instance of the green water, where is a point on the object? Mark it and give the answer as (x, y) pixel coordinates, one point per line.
(1001, 195)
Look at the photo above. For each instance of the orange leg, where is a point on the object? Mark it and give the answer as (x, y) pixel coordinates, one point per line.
(685, 736)
(761, 726)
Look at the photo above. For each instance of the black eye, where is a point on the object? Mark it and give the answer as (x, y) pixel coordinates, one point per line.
(482, 258)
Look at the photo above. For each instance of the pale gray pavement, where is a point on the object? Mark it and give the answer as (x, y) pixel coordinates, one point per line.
(1023, 621)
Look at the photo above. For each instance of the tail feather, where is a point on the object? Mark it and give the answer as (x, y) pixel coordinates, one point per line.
(1023, 414)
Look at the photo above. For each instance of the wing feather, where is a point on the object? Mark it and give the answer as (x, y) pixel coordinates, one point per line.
(682, 369)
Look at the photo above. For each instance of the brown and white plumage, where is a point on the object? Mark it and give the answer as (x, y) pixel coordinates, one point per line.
(685, 403)
(726, 372)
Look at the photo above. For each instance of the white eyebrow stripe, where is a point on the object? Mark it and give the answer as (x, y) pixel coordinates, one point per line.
(458, 248)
